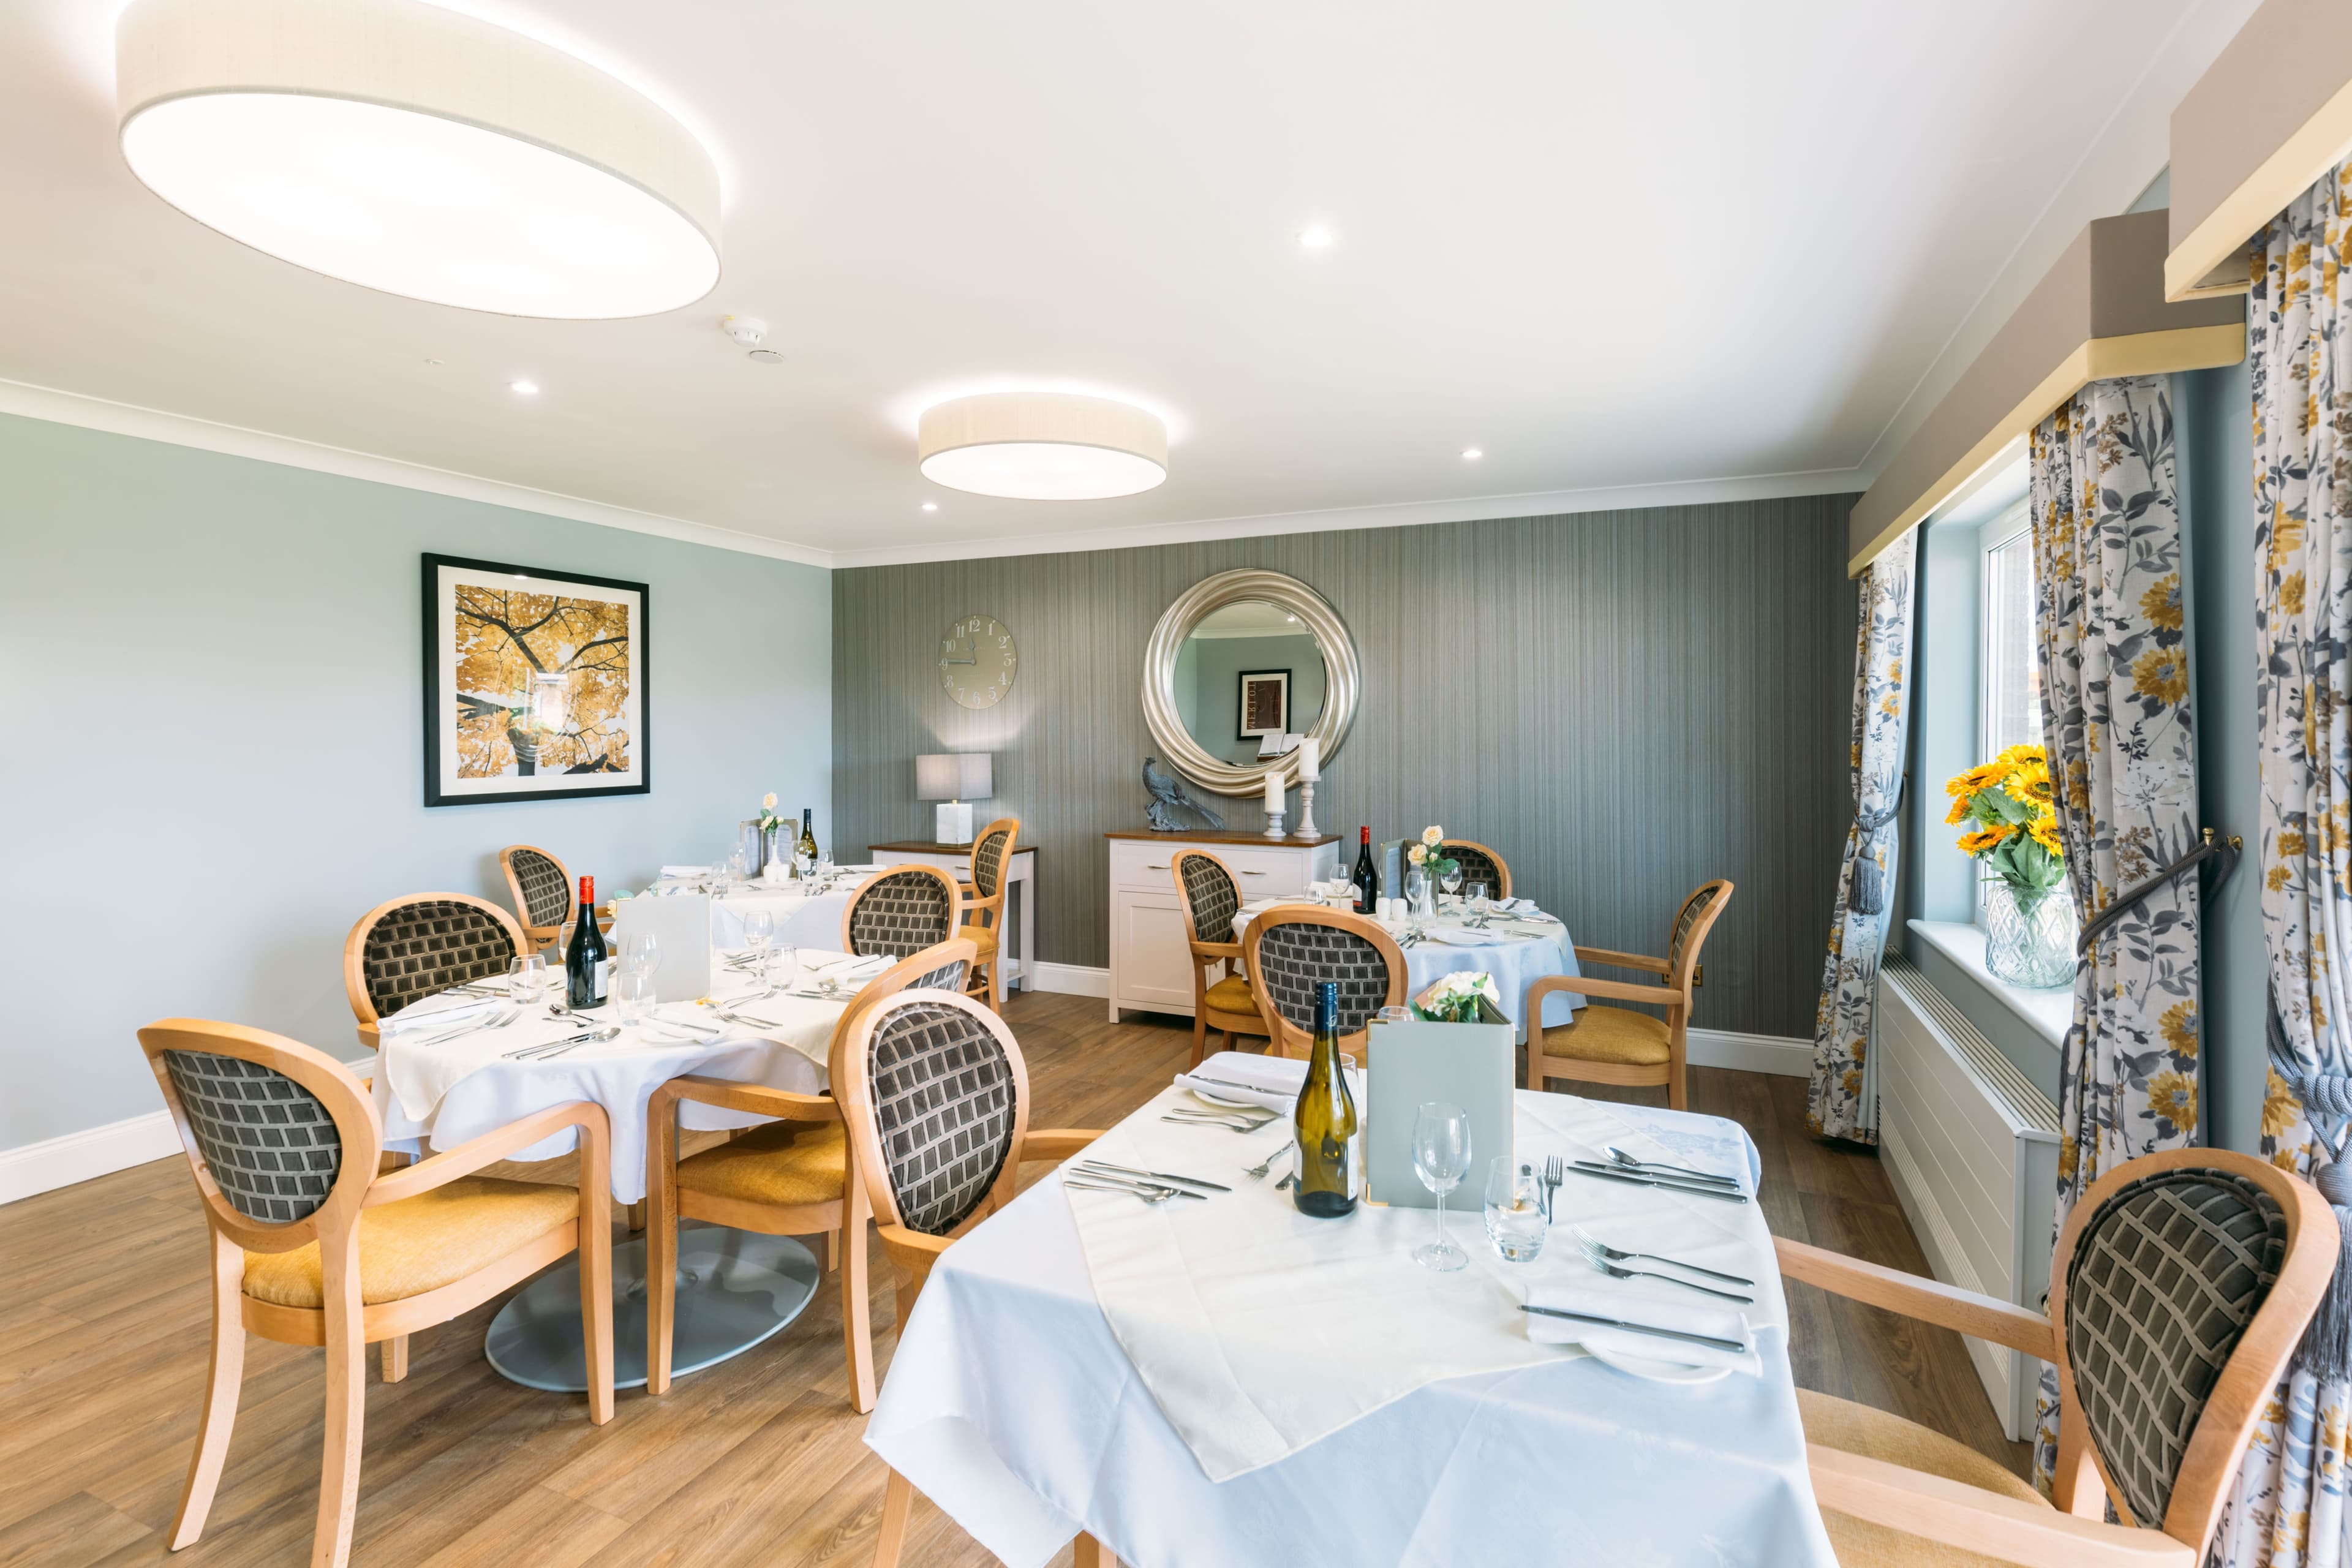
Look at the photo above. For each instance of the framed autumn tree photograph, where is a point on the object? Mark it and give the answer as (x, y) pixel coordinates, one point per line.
(534, 684)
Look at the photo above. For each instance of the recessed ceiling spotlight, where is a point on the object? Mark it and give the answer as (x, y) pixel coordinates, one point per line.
(1470, 454)
(1315, 236)
(1042, 446)
(930, 506)
(525, 388)
(765, 356)
(407, 147)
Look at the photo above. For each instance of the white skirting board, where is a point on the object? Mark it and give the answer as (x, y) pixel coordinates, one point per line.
(94, 1152)
(1708, 1047)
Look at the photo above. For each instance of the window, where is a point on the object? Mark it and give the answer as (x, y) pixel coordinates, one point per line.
(2011, 680)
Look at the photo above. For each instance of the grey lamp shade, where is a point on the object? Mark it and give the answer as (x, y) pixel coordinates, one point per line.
(953, 776)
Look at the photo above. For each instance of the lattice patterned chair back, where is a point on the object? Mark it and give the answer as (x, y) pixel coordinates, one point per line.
(541, 888)
(902, 911)
(1289, 952)
(1211, 897)
(1479, 864)
(936, 1096)
(990, 852)
(982, 916)
(1692, 923)
(943, 968)
(409, 948)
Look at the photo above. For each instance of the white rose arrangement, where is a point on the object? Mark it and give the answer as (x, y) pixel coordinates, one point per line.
(1425, 855)
(1459, 998)
(768, 820)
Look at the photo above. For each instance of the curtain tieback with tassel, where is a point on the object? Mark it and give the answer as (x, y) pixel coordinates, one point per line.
(1867, 893)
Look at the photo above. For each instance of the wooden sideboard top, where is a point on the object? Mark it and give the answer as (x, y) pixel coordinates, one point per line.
(1260, 839)
(911, 848)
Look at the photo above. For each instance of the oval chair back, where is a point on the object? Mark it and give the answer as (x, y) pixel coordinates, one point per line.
(1210, 899)
(1692, 923)
(902, 911)
(405, 950)
(936, 1097)
(982, 917)
(1479, 864)
(541, 888)
(1291, 950)
(945, 968)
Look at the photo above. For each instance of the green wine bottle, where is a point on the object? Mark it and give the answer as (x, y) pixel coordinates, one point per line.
(1325, 1122)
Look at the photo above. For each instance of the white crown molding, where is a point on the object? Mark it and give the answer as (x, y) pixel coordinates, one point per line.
(237, 441)
(1401, 514)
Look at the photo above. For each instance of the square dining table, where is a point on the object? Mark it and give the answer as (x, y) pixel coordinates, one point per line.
(1011, 1404)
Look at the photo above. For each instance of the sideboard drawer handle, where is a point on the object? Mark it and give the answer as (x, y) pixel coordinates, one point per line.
(1248, 873)
(1155, 868)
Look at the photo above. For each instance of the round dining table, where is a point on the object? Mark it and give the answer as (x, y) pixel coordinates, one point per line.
(439, 1082)
(804, 913)
(1517, 950)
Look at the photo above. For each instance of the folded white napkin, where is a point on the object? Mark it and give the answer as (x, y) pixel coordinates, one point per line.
(1628, 1306)
(1270, 1081)
(685, 871)
(445, 1007)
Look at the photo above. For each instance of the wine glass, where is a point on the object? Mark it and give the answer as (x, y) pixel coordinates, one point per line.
(1482, 906)
(632, 996)
(738, 867)
(1515, 1216)
(1452, 881)
(1441, 1154)
(526, 979)
(640, 953)
(1416, 889)
(758, 926)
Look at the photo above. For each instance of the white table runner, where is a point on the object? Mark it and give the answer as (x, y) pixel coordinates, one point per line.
(1258, 1330)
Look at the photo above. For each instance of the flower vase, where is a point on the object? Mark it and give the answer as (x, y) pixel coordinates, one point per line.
(2030, 936)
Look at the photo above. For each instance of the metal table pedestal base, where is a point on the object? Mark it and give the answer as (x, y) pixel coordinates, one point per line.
(735, 1289)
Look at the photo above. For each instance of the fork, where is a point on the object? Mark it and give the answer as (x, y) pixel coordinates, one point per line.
(1149, 1194)
(500, 1022)
(1592, 1243)
(1555, 1172)
(1230, 1126)
(1258, 1172)
(1618, 1272)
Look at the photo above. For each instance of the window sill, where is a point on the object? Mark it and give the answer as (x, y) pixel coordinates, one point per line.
(2048, 1014)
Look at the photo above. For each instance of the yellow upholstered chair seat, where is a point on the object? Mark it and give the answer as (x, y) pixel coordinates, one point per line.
(981, 937)
(782, 1164)
(422, 1242)
(1233, 995)
(1852, 1428)
(1612, 1035)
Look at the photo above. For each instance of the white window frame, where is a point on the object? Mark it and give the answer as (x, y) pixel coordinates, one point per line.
(1998, 533)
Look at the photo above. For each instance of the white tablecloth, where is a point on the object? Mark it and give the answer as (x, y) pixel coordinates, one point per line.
(1011, 1405)
(1515, 961)
(427, 1106)
(801, 920)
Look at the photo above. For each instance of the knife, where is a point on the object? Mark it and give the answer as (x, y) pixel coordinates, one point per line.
(1582, 1169)
(1129, 1184)
(1228, 1083)
(1155, 1175)
(1732, 1346)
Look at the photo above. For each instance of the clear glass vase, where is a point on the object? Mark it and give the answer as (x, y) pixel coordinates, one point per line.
(2030, 936)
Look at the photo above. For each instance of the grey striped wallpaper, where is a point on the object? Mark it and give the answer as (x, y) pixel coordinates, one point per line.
(1625, 703)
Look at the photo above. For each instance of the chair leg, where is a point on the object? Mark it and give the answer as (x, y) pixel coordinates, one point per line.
(596, 1267)
(338, 1476)
(996, 982)
(898, 1503)
(856, 1296)
(221, 1386)
(1200, 1034)
(395, 1358)
(832, 1251)
(661, 1241)
(1086, 1551)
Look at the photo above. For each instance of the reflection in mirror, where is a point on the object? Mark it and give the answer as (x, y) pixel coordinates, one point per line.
(1249, 670)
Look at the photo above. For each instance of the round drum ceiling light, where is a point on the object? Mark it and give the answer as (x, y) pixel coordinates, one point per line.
(1043, 445)
(404, 147)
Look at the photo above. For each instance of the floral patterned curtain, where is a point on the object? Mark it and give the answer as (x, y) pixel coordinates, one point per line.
(1844, 1096)
(2113, 660)
(2288, 1511)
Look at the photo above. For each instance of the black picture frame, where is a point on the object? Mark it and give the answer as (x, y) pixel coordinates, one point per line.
(1241, 704)
(441, 711)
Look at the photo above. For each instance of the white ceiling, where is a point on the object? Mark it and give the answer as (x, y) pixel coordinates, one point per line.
(1640, 250)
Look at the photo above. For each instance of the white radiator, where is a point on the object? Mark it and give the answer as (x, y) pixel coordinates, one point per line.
(1971, 1147)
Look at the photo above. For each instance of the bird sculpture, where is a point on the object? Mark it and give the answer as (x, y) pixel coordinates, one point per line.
(1167, 799)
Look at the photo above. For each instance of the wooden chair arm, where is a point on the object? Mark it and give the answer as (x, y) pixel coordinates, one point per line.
(1620, 959)
(1929, 1300)
(754, 1098)
(913, 1253)
(1974, 1520)
(1054, 1144)
(1211, 951)
(1614, 990)
(488, 1149)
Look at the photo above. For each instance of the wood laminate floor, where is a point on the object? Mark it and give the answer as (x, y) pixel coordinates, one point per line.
(758, 1461)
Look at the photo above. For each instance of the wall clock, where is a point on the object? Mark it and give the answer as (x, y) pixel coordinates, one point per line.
(976, 661)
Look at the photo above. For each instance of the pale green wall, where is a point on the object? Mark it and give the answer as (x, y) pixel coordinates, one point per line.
(209, 673)
(1217, 665)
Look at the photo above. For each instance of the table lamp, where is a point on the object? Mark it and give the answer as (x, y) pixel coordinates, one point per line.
(947, 777)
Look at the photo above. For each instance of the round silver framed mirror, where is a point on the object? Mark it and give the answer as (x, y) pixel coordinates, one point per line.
(1240, 656)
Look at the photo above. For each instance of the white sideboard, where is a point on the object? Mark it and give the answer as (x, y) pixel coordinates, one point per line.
(1151, 967)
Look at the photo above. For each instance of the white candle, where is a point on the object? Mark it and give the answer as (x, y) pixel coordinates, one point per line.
(1273, 790)
(1310, 760)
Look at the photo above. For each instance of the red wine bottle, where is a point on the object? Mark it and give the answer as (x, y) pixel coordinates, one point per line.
(1366, 880)
(587, 962)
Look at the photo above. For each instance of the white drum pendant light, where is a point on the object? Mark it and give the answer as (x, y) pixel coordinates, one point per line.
(414, 150)
(1043, 445)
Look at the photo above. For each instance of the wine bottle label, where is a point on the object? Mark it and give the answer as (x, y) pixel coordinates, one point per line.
(604, 976)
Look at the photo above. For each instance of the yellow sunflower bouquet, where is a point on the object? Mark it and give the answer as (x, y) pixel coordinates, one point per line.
(2009, 809)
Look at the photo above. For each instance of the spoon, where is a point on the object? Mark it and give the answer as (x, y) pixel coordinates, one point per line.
(1622, 1158)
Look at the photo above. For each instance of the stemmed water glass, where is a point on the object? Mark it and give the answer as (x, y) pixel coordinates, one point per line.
(1441, 1154)
(1482, 907)
(758, 926)
(640, 954)
(1452, 881)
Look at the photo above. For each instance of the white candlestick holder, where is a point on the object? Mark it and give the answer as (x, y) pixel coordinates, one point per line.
(1306, 828)
(1274, 823)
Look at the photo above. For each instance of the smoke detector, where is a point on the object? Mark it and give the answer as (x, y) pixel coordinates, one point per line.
(746, 330)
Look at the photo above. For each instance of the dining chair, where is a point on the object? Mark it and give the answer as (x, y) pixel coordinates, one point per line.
(541, 889)
(1616, 1045)
(790, 1176)
(1210, 898)
(1290, 950)
(311, 1245)
(1479, 864)
(2181, 1285)
(409, 948)
(992, 857)
(935, 1099)
(901, 912)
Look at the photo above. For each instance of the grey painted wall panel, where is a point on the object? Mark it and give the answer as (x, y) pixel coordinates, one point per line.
(1624, 703)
